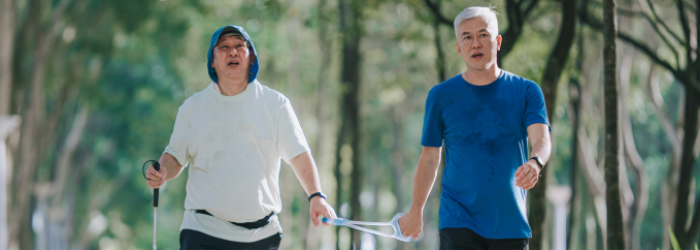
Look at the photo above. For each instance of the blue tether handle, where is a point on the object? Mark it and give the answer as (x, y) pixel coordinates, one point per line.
(394, 223)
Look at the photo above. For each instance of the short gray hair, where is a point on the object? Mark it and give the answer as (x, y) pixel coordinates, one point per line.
(486, 12)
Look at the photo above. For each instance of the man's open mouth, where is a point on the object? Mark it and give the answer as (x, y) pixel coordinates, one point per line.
(232, 63)
(477, 55)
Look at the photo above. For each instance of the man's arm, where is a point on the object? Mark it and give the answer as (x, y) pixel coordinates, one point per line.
(307, 173)
(428, 164)
(528, 174)
(168, 164)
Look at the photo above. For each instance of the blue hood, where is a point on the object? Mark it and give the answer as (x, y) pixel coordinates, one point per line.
(215, 38)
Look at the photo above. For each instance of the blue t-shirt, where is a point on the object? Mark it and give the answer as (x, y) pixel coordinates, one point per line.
(485, 133)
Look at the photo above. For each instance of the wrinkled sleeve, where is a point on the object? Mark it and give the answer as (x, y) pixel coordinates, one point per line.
(433, 127)
(535, 108)
(290, 137)
(179, 140)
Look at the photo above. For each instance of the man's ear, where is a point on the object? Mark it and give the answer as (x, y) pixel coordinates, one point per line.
(459, 50)
(499, 40)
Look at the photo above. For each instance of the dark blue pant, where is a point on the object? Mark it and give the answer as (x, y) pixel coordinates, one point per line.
(465, 238)
(191, 239)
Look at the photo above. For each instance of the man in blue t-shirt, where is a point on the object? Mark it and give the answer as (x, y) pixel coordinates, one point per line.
(484, 116)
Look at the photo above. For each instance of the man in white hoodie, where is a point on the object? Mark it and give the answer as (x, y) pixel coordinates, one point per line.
(233, 135)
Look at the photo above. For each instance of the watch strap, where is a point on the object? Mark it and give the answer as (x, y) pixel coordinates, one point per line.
(537, 160)
(317, 194)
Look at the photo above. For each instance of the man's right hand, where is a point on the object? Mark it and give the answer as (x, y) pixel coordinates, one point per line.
(411, 224)
(154, 178)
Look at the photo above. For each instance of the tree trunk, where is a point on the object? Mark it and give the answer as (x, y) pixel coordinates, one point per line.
(516, 13)
(338, 175)
(351, 28)
(550, 79)
(440, 57)
(575, 207)
(576, 211)
(692, 103)
(7, 38)
(616, 236)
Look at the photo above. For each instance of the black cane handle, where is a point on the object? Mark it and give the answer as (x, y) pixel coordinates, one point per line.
(156, 166)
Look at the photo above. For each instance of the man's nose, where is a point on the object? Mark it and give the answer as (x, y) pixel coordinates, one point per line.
(476, 44)
(233, 53)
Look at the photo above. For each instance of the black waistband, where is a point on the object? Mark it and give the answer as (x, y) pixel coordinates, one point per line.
(249, 225)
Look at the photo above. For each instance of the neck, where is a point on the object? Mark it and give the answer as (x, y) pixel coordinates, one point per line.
(483, 76)
(231, 87)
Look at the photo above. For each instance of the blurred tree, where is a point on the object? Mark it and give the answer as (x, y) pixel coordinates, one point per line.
(550, 80)
(616, 229)
(351, 24)
(440, 58)
(7, 29)
(575, 210)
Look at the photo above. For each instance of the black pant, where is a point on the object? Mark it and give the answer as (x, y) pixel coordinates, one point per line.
(465, 238)
(191, 239)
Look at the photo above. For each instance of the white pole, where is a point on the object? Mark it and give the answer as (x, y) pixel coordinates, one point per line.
(559, 195)
(3, 195)
(155, 225)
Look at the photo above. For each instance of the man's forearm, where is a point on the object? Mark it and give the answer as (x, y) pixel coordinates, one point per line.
(542, 149)
(307, 173)
(425, 178)
(170, 163)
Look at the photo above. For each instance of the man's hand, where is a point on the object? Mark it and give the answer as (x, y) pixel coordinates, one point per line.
(527, 175)
(411, 224)
(319, 207)
(154, 178)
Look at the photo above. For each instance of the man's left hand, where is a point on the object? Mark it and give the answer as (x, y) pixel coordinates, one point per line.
(527, 175)
(319, 207)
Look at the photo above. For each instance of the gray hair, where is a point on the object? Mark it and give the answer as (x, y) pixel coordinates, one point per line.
(486, 12)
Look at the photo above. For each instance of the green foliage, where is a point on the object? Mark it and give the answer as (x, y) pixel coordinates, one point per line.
(674, 241)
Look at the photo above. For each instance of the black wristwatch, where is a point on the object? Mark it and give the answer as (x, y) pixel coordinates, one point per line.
(317, 194)
(539, 163)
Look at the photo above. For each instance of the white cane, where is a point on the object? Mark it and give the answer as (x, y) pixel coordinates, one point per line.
(156, 166)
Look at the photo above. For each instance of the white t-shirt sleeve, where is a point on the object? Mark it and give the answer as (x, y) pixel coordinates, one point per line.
(290, 138)
(179, 140)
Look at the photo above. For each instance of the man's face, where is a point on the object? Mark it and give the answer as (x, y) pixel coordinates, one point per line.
(232, 58)
(476, 45)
